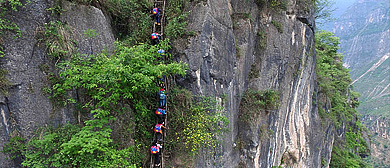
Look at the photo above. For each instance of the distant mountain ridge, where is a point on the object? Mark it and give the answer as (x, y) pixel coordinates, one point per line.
(364, 32)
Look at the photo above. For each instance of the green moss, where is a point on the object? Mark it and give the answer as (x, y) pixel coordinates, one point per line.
(254, 102)
(277, 25)
(262, 36)
(4, 82)
(195, 121)
(238, 51)
(254, 73)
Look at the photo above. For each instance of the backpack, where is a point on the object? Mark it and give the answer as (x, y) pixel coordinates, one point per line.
(155, 11)
(154, 150)
(162, 95)
(154, 35)
(160, 111)
(157, 128)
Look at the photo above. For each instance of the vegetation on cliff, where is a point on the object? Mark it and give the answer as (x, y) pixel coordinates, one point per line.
(334, 84)
(115, 96)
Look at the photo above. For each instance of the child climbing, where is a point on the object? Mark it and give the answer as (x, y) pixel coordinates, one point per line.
(160, 113)
(161, 81)
(155, 150)
(158, 130)
(163, 96)
(161, 54)
(157, 15)
(155, 38)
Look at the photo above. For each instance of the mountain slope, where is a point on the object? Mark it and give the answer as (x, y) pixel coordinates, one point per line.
(364, 32)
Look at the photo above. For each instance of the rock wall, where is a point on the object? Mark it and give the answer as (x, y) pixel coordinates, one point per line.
(378, 126)
(236, 39)
(26, 107)
(238, 44)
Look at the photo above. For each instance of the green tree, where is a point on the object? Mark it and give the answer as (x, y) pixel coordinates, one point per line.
(323, 11)
(109, 81)
(334, 83)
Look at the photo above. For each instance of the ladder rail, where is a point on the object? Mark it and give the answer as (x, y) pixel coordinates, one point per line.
(162, 20)
(166, 83)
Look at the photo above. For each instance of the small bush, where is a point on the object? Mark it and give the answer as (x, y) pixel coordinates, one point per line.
(254, 72)
(262, 36)
(254, 102)
(278, 4)
(177, 26)
(238, 51)
(277, 25)
(57, 38)
(195, 122)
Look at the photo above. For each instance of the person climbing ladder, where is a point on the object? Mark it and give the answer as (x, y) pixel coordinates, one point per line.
(163, 96)
(157, 156)
(160, 113)
(161, 81)
(157, 15)
(158, 130)
(155, 38)
(155, 150)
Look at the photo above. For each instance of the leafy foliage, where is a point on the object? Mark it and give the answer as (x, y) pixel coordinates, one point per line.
(109, 81)
(323, 11)
(197, 122)
(254, 102)
(176, 24)
(131, 19)
(57, 38)
(334, 82)
(15, 146)
(333, 79)
(278, 25)
(131, 70)
(5, 24)
(278, 4)
(272, 4)
(344, 158)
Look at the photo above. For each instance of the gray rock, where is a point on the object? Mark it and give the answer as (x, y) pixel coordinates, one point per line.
(286, 65)
(26, 107)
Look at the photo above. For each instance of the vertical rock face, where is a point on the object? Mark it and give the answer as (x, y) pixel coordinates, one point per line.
(379, 127)
(240, 45)
(26, 107)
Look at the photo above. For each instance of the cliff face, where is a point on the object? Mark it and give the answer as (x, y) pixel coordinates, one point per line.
(26, 106)
(240, 45)
(379, 129)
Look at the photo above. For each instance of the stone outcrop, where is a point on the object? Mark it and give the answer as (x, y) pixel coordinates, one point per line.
(26, 107)
(378, 126)
(240, 45)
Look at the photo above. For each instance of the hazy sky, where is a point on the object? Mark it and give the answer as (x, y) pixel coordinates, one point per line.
(341, 6)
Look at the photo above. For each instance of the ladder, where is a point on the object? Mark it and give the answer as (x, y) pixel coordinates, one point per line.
(162, 19)
(166, 83)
